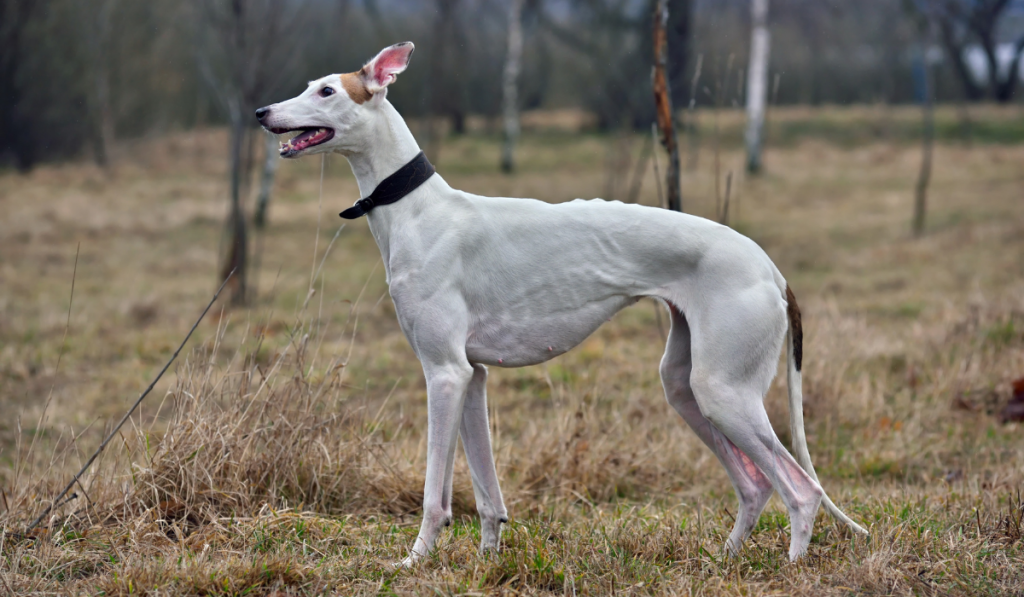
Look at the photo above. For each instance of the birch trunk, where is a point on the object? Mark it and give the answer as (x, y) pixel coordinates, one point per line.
(757, 83)
(510, 99)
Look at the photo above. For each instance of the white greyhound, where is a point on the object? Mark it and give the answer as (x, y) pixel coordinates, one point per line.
(480, 281)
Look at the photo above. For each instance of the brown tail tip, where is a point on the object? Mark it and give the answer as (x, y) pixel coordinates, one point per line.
(796, 328)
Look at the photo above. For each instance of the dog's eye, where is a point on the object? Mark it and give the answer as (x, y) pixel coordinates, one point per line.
(326, 91)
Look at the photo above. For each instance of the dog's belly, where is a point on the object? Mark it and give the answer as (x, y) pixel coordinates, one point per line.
(530, 336)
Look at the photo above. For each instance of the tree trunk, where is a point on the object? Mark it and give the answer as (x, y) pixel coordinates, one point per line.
(692, 128)
(757, 83)
(98, 41)
(458, 118)
(663, 106)
(238, 248)
(434, 92)
(1007, 87)
(271, 160)
(927, 143)
(955, 52)
(988, 45)
(105, 115)
(510, 99)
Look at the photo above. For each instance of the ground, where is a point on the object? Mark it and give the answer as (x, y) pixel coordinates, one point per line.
(284, 452)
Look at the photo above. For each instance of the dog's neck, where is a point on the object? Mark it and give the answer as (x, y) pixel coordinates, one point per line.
(390, 146)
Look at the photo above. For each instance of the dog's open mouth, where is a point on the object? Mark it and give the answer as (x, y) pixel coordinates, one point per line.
(307, 137)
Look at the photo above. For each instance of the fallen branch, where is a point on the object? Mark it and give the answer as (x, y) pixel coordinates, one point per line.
(128, 414)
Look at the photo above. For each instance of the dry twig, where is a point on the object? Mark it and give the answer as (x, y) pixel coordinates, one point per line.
(131, 410)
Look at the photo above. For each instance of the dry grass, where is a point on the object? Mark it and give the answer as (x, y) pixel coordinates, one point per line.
(286, 454)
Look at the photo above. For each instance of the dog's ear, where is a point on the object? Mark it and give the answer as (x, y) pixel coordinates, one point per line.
(384, 68)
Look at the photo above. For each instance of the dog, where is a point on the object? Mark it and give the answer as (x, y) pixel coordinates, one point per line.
(488, 281)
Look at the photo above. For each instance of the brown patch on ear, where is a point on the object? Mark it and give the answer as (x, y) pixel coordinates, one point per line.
(354, 86)
(796, 328)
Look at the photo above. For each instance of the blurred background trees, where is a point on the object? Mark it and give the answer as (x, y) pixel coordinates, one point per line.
(76, 75)
(80, 77)
(981, 42)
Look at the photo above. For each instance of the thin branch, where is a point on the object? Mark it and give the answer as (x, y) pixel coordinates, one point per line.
(128, 414)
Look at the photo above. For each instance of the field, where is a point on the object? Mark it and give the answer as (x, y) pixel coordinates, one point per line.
(284, 452)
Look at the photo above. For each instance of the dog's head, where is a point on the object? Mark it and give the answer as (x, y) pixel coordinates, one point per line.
(331, 109)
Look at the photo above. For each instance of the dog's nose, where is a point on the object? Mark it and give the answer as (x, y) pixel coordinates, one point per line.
(261, 113)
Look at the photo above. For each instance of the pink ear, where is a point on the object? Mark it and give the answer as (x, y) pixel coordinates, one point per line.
(384, 68)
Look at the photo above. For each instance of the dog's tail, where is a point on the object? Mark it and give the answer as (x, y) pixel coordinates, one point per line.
(794, 358)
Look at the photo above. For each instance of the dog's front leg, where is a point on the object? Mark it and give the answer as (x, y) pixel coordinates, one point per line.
(476, 440)
(446, 392)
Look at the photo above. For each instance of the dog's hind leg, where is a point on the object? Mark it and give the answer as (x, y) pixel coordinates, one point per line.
(735, 344)
(752, 488)
(476, 441)
(741, 418)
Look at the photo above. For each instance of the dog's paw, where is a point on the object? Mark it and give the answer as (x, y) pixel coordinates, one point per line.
(407, 563)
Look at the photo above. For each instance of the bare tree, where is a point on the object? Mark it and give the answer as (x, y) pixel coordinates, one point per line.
(510, 84)
(663, 106)
(237, 56)
(757, 82)
(961, 22)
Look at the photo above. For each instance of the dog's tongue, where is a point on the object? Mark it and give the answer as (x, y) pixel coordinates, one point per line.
(305, 136)
(304, 139)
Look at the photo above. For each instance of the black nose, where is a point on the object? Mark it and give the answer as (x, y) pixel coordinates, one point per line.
(261, 113)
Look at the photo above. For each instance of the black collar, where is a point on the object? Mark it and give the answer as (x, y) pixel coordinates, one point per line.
(391, 189)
